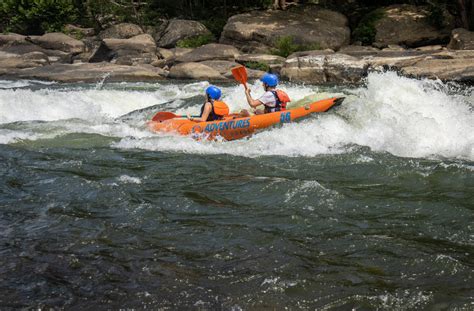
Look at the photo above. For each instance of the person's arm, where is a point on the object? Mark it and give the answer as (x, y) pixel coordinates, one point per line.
(205, 114)
(254, 103)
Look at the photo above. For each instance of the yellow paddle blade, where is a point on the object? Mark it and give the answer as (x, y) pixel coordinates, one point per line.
(240, 74)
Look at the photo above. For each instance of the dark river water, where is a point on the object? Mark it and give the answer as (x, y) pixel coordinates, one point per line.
(367, 207)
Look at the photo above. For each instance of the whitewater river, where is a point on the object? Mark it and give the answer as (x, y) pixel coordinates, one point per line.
(368, 207)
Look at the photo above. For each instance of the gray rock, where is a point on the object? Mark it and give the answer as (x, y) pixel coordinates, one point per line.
(358, 50)
(330, 68)
(266, 59)
(196, 71)
(143, 43)
(407, 25)
(178, 29)
(79, 31)
(212, 51)
(121, 31)
(140, 49)
(461, 39)
(12, 39)
(459, 68)
(58, 41)
(222, 66)
(86, 72)
(308, 26)
(10, 61)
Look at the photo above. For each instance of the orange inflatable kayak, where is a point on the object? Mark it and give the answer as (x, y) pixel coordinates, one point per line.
(235, 127)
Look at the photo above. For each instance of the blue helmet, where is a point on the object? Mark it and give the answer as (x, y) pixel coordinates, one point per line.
(214, 92)
(269, 79)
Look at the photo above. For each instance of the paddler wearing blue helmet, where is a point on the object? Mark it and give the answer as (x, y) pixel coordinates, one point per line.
(270, 99)
(213, 109)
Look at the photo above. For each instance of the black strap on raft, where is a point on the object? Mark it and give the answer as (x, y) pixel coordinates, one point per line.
(212, 115)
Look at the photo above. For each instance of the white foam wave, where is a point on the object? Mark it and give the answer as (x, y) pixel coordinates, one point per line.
(402, 116)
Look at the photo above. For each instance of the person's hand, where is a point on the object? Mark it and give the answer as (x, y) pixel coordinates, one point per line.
(189, 116)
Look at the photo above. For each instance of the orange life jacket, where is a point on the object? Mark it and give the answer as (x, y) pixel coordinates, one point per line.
(281, 99)
(219, 110)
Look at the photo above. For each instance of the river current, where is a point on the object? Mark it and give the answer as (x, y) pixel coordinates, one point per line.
(367, 207)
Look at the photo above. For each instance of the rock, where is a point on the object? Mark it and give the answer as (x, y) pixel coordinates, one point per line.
(430, 48)
(12, 39)
(143, 43)
(393, 47)
(459, 68)
(212, 51)
(222, 66)
(266, 59)
(358, 50)
(121, 31)
(407, 25)
(310, 53)
(79, 31)
(58, 41)
(10, 61)
(461, 39)
(86, 72)
(166, 53)
(169, 55)
(308, 26)
(178, 29)
(194, 71)
(140, 49)
(331, 68)
(54, 56)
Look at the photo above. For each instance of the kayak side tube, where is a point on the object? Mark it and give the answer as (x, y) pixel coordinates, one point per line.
(237, 127)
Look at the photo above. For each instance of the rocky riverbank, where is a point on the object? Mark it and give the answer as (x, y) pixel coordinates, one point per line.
(404, 41)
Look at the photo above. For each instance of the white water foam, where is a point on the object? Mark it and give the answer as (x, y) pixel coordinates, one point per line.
(402, 116)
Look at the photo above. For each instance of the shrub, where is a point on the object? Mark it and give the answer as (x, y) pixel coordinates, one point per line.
(215, 25)
(36, 16)
(257, 66)
(365, 32)
(284, 46)
(195, 42)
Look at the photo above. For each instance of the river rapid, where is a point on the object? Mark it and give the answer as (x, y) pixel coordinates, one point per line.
(368, 207)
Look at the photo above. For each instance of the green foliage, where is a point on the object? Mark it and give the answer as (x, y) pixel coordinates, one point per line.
(257, 66)
(284, 46)
(195, 42)
(365, 31)
(436, 14)
(36, 16)
(75, 34)
(215, 25)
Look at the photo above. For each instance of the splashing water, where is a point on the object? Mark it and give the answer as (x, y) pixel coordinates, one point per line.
(402, 116)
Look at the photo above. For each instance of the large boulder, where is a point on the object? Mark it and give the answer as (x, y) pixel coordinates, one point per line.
(266, 59)
(140, 49)
(10, 39)
(121, 31)
(178, 29)
(10, 61)
(447, 66)
(212, 51)
(329, 68)
(461, 39)
(87, 72)
(53, 56)
(143, 43)
(59, 41)
(194, 71)
(407, 25)
(308, 26)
